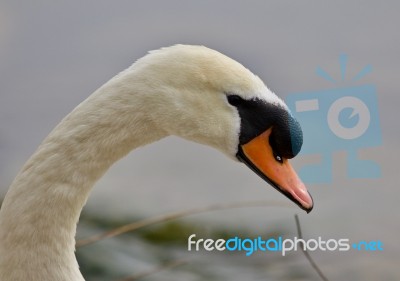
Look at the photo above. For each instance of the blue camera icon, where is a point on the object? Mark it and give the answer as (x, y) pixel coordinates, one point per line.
(341, 119)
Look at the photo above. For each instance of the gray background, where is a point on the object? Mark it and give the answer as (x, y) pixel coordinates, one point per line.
(53, 55)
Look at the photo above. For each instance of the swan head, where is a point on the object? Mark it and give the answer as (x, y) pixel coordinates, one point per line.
(204, 96)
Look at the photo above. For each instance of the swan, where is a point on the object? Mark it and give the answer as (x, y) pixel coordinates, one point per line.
(189, 91)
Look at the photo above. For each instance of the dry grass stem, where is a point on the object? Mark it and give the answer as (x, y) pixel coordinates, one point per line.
(312, 262)
(172, 216)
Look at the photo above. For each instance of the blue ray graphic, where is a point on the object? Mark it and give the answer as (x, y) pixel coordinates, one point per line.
(363, 72)
(322, 73)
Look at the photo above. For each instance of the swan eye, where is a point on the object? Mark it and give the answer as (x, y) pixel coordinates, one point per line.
(234, 99)
(278, 158)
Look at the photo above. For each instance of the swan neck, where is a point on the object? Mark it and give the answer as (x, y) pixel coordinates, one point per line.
(41, 209)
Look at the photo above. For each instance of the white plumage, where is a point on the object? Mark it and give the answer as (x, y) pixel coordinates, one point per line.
(180, 90)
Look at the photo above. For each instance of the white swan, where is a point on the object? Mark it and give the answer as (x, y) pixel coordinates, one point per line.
(189, 91)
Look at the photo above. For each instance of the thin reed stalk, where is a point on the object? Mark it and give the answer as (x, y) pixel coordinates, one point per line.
(172, 216)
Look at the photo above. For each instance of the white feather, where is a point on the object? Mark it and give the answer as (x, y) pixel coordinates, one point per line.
(178, 90)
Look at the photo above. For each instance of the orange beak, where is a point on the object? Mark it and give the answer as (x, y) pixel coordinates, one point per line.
(258, 155)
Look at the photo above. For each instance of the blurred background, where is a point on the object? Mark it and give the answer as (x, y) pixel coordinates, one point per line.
(54, 54)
